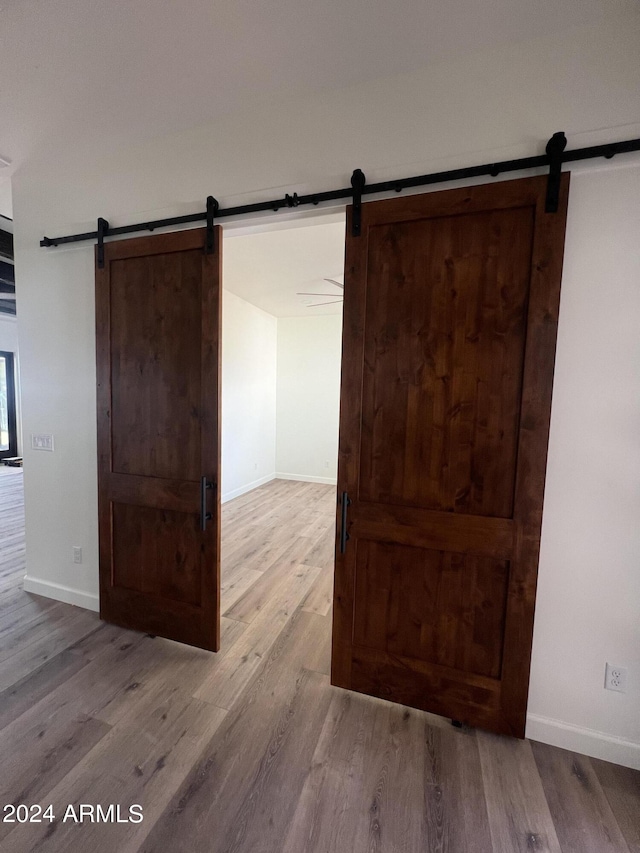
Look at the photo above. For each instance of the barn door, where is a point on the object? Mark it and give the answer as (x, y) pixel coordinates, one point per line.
(450, 317)
(158, 359)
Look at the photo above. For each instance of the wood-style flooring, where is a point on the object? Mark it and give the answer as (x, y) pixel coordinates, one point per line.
(251, 750)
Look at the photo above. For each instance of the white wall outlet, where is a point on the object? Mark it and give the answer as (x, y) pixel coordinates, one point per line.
(42, 441)
(615, 678)
(77, 554)
(326, 463)
(255, 466)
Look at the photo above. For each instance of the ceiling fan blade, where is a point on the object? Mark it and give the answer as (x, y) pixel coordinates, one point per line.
(320, 304)
(316, 294)
(337, 283)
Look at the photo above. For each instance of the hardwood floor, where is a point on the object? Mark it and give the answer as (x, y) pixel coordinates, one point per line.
(251, 750)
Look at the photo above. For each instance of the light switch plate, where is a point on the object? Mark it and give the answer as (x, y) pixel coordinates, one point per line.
(42, 441)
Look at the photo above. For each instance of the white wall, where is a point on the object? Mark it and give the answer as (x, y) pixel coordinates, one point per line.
(6, 206)
(8, 334)
(248, 396)
(588, 603)
(308, 397)
(487, 106)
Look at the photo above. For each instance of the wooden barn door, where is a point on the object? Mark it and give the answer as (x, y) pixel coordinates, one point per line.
(450, 317)
(158, 359)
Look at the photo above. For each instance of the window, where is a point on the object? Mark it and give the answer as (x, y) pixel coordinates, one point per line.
(8, 431)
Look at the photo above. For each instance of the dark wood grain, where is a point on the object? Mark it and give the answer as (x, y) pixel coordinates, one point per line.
(432, 606)
(158, 360)
(450, 317)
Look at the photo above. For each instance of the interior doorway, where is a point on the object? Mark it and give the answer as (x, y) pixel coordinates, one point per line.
(281, 358)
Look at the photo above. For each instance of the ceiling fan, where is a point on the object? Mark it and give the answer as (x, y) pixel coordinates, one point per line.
(333, 301)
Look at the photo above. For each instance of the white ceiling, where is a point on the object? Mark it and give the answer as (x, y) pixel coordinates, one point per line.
(268, 268)
(121, 71)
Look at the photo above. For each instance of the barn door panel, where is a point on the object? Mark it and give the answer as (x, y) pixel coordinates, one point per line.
(158, 360)
(450, 317)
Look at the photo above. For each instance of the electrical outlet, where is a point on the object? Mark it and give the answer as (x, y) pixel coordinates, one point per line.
(326, 464)
(615, 678)
(77, 554)
(255, 466)
(42, 441)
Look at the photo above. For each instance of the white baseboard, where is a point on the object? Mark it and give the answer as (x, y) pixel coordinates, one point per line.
(62, 593)
(585, 741)
(306, 478)
(242, 490)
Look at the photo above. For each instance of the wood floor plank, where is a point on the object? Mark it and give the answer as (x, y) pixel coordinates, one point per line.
(24, 632)
(234, 586)
(37, 685)
(621, 786)
(38, 751)
(519, 816)
(230, 676)
(362, 792)
(125, 672)
(14, 598)
(320, 596)
(572, 787)
(365, 792)
(75, 625)
(142, 760)
(273, 581)
(455, 803)
(248, 780)
(322, 552)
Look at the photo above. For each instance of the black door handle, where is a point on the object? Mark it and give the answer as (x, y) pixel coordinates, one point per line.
(204, 515)
(344, 536)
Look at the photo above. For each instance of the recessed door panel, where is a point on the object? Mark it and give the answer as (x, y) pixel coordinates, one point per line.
(438, 607)
(443, 361)
(156, 344)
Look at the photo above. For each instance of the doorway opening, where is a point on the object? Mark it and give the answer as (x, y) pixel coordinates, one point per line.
(12, 527)
(281, 359)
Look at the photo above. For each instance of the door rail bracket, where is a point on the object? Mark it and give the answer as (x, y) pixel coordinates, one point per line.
(358, 181)
(212, 209)
(555, 148)
(103, 230)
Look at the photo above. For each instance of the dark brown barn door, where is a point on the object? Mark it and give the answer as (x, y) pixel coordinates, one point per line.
(158, 359)
(450, 317)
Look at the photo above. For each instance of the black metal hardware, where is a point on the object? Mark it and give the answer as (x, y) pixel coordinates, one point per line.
(292, 200)
(555, 148)
(358, 181)
(212, 209)
(344, 536)
(204, 515)
(397, 185)
(103, 230)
